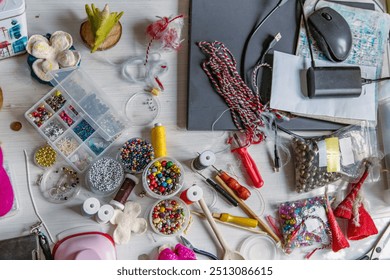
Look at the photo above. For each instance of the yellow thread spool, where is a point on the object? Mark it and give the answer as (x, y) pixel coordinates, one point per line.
(159, 140)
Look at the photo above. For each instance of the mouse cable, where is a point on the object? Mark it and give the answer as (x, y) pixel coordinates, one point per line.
(260, 63)
(252, 34)
(307, 34)
(369, 81)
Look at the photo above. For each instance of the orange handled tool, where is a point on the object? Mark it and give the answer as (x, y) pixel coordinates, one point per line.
(249, 164)
(232, 183)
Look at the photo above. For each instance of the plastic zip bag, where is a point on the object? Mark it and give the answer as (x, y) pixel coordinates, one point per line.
(322, 160)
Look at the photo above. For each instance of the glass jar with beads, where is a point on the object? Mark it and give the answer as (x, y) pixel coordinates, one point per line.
(105, 176)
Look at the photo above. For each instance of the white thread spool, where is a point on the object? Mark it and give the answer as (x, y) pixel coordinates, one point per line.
(204, 160)
(192, 194)
(90, 207)
(105, 214)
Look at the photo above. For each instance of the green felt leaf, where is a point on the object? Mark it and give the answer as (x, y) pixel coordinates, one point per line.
(102, 23)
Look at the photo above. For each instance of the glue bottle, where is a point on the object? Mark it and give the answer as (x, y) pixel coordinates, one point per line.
(159, 140)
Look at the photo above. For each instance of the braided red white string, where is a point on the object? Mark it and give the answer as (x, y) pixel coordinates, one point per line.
(245, 106)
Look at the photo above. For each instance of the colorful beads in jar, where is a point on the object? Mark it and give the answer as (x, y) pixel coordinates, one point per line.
(136, 154)
(163, 177)
(169, 216)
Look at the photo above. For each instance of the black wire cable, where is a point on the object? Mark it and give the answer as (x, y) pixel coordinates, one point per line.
(251, 35)
(307, 34)
(369, 81)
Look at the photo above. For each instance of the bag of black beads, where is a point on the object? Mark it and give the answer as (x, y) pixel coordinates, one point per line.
(322, 160)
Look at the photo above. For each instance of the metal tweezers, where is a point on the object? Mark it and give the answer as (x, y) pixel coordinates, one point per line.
(196, 250)
(376, 250)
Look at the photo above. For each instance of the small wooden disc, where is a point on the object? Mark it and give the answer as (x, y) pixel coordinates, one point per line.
(89, 38)
(16, 126)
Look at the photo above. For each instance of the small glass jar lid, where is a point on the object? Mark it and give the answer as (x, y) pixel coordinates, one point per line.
(259, 247)
(142, 109)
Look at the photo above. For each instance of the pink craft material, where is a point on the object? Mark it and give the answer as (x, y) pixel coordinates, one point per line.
(6, 191)
(181, 253)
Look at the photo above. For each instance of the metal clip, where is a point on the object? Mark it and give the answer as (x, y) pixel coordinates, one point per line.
(42, 242)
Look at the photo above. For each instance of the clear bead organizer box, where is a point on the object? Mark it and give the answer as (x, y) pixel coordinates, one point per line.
(75, 119)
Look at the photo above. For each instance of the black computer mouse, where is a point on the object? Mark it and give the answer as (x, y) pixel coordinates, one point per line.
(332, 33)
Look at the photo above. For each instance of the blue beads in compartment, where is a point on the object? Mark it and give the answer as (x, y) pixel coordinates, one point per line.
(83, 130)
(97, 144)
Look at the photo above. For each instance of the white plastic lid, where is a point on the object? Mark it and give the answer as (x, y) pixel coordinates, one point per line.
(11, 8)
(259, 247)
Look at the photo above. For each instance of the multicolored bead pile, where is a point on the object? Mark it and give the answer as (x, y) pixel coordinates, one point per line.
(40, 115)
(304, 223)
(136, 154)
(53, 130)
(45, 156)
(56, 101)
(105, 176)
(168, 216)
(163, 177)
(84, 130)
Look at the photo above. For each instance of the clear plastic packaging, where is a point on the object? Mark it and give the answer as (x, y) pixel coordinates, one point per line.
(304, 223)
(322, 160)
(384, 119)
(76, 119)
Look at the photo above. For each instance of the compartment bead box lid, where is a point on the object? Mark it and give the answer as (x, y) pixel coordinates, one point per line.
(76, 119)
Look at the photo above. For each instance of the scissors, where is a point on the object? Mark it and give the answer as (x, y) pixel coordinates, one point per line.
(196, 250)
(376, 250)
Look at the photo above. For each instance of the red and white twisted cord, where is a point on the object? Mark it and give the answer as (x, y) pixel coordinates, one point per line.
(244, 104)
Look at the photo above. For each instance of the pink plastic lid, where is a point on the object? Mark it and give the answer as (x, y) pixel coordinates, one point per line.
(85, 246)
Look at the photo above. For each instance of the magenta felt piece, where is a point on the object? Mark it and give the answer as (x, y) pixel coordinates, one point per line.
(6, 192)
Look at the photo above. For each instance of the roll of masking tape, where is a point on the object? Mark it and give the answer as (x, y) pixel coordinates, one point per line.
(105, 214)
(90, 207)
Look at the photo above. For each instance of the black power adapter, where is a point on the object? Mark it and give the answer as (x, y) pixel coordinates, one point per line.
(334, 82)
(330, 81)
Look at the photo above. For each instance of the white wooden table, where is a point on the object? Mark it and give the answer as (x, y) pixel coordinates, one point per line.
(21, 92)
